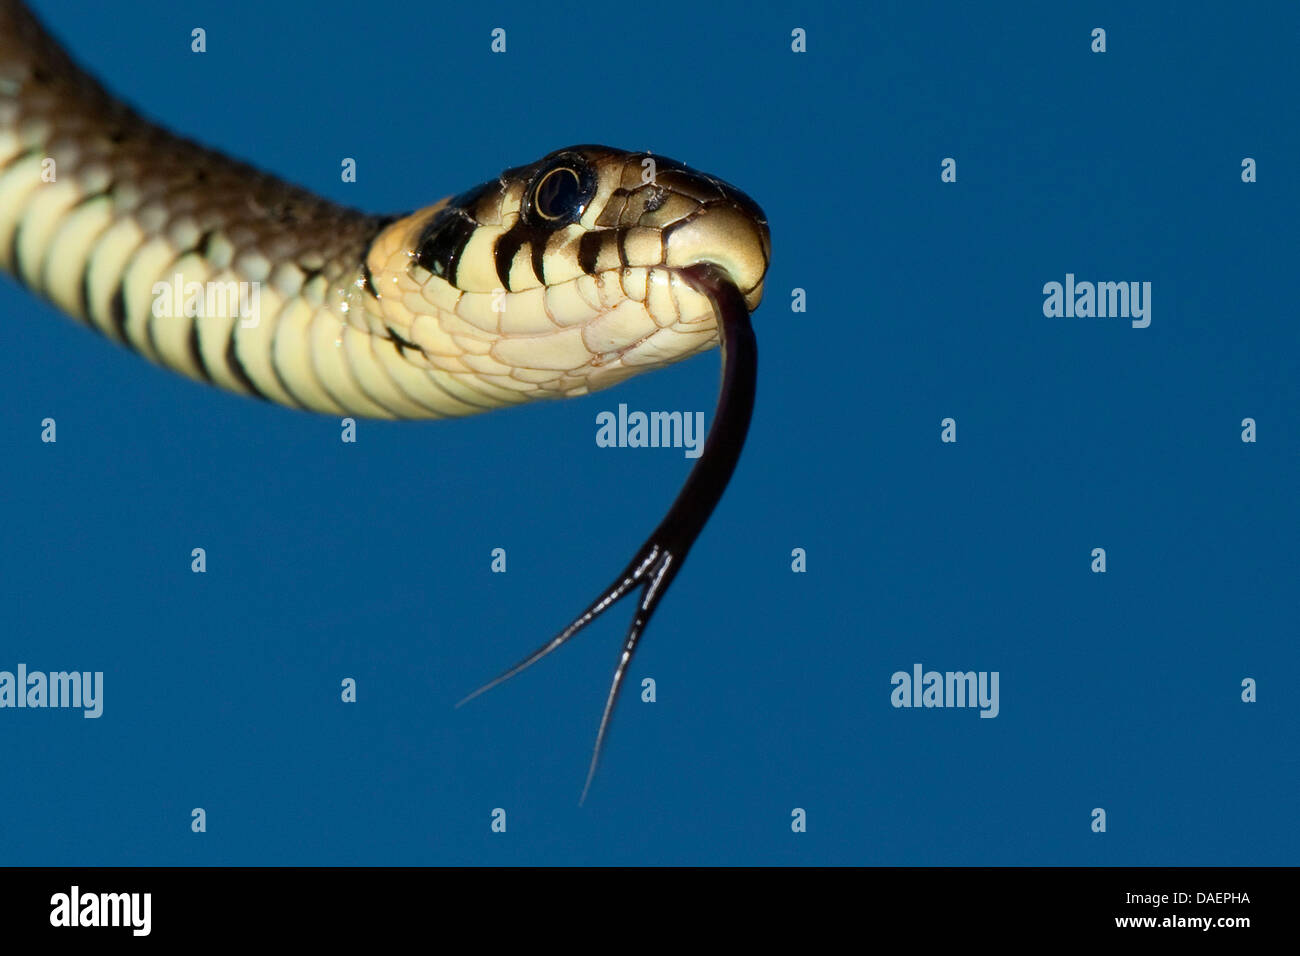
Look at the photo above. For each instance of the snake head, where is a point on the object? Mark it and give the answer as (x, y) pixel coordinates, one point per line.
(566, 275)
(652, 211)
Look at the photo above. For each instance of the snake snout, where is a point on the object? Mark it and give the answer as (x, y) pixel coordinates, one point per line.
(725, 237)
(728, 230)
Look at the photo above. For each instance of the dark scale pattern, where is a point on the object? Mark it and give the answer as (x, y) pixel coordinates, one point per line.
(443, 240)
(150, 168)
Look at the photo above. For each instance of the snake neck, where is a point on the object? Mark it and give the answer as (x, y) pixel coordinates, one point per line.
(200, 263)
(553, 280)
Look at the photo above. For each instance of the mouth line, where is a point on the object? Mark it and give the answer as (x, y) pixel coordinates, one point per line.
(708, 277)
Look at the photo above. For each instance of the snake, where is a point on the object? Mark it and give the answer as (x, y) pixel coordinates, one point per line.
(552, 280)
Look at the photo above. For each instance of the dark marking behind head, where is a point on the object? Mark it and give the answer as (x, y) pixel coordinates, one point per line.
(442, 242)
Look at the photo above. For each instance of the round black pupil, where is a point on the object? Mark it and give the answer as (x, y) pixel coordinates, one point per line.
(557, 194)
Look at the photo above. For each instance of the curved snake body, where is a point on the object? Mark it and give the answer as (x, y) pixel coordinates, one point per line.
(554, 279)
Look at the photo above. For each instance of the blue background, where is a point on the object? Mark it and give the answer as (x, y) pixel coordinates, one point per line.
(371, 560)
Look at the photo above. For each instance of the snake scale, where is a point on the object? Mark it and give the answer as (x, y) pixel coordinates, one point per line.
(554, 279)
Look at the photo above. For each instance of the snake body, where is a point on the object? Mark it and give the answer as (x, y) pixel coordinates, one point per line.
(477, 302)
(554, 279)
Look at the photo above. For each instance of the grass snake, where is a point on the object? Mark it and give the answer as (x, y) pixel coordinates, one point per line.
(553, 279)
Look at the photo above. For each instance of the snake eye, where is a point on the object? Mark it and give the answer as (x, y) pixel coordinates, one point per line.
(557, 193)
(560, 195)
